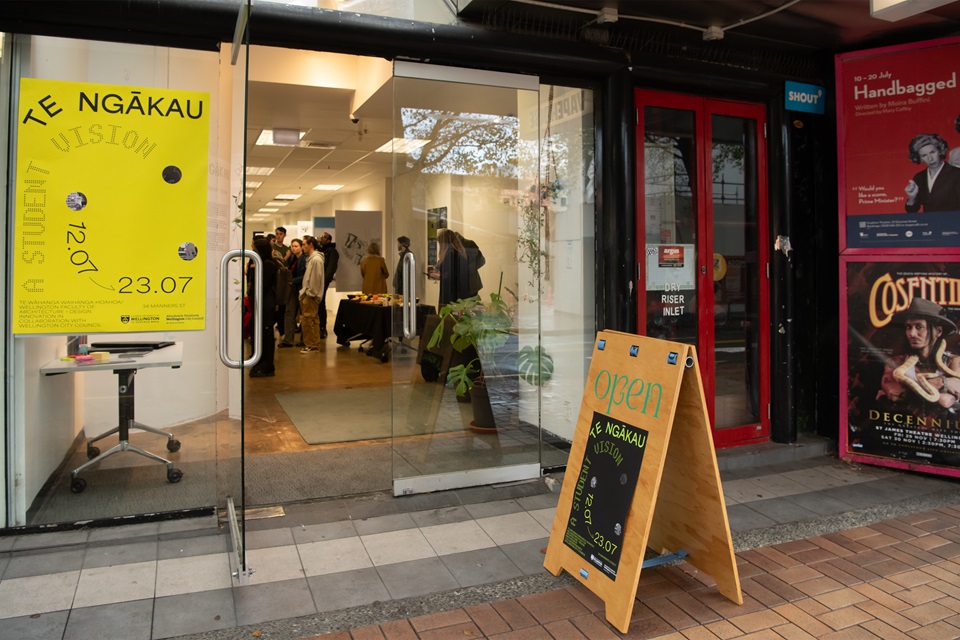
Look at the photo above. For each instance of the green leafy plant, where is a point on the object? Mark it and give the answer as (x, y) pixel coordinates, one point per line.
(485, 327)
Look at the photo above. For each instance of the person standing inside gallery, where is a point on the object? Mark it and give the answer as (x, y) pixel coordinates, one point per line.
(297, 263)
(311, 293)
(451, 269)
(936, 188)
(373, 268)
(475, 260)
(331, 259)
(403, 248)
(265, 367)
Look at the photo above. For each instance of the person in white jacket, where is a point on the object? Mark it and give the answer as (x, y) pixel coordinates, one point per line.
(310, 295)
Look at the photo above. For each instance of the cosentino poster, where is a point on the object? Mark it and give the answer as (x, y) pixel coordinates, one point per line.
(898, 111)
(903, 361)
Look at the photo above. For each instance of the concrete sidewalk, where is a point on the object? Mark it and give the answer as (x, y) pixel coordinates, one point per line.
(811, 534)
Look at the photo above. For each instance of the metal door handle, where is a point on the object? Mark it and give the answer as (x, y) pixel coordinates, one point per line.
(409, 296)
(257, 308)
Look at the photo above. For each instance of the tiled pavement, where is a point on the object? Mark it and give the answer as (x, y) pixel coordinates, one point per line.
(894, 580)
(449, 564)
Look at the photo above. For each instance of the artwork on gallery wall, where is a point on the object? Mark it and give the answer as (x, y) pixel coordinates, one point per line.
(354, 231)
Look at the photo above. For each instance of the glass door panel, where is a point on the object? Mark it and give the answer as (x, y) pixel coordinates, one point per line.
(670, 175)
(704, 226)
(736, 317)
(127, 215)
(466, 166)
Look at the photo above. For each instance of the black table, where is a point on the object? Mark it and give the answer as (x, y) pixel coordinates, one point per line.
(373, 322)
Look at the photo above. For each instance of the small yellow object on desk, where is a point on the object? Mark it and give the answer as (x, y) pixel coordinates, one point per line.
(100, 356)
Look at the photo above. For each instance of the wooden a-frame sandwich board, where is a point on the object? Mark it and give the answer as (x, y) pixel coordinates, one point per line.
(642, 473)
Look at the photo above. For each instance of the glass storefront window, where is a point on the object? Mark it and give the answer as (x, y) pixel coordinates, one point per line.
(103, 217)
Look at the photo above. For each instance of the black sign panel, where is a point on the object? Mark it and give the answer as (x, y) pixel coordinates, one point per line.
(601, 500)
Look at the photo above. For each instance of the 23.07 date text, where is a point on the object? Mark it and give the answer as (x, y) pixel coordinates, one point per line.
(143, 284)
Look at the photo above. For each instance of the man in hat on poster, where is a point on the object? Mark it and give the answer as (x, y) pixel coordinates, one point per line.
(928, 369)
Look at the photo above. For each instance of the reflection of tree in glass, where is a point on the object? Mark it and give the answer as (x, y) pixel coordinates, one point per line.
(673, 166)
(463, 143)
(728, 172)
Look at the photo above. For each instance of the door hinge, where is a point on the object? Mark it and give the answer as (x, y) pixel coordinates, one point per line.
(768, 271)
(768, 411)
(764, 130)
(636, 113)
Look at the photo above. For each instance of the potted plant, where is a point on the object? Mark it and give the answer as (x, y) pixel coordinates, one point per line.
(478, 331)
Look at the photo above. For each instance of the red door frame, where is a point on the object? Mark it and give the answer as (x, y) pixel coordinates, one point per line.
(703, 110)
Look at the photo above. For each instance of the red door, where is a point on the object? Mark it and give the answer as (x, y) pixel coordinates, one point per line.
(702, 247)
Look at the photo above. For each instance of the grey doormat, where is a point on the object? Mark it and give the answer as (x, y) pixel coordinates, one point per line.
(372, 413)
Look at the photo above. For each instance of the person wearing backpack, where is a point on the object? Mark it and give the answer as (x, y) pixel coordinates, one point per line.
(331, 258)
(265, 367)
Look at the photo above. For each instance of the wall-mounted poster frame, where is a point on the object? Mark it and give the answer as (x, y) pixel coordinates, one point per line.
(897, 117)
(900, 371)
(94, 162)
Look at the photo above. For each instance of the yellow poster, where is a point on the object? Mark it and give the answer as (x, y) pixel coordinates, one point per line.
(111, 199)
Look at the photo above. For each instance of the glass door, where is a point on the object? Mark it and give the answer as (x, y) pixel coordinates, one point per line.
(120, 209)
(703, 220)
(467, 220)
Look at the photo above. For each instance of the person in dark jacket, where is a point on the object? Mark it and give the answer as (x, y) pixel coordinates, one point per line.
(297, 263)
(475, 260)
(451, 270)
(403, 248)
(330, 259)
(265, 366)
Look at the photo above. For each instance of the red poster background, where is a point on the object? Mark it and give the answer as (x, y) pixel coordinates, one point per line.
(875, 132)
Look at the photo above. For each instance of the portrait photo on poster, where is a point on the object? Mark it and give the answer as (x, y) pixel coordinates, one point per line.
(901, 188)
(903, 361)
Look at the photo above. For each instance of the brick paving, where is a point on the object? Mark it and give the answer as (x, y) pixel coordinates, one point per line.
(893, 580)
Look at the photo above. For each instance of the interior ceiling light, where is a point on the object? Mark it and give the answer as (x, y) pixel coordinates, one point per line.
(253, 184)
(266, 210)
(277, 203)
(259, 171)
(280, 137)
(328, 187)
(893, 10)
(286, 196)
(401, 145)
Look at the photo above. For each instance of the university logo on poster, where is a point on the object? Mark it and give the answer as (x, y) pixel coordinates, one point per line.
(903, 361)
(110, 220)
(899, 157)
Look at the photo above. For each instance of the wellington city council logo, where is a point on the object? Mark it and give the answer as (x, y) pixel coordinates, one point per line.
(125, 319)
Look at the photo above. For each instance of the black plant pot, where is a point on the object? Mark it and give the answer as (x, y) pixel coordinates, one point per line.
(483, 419)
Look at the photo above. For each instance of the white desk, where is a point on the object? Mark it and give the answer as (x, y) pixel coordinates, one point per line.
(126, 367)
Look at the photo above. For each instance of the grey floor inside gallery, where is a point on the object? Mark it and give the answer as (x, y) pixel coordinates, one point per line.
(351, 397)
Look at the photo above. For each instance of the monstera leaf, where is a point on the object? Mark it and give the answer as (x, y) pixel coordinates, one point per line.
(535, 366)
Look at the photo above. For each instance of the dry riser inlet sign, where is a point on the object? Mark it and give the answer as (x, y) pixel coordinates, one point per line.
(110, 217)
(642, 474)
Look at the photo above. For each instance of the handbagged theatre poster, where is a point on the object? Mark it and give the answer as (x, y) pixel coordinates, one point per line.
(903, 363)
(898, 111)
